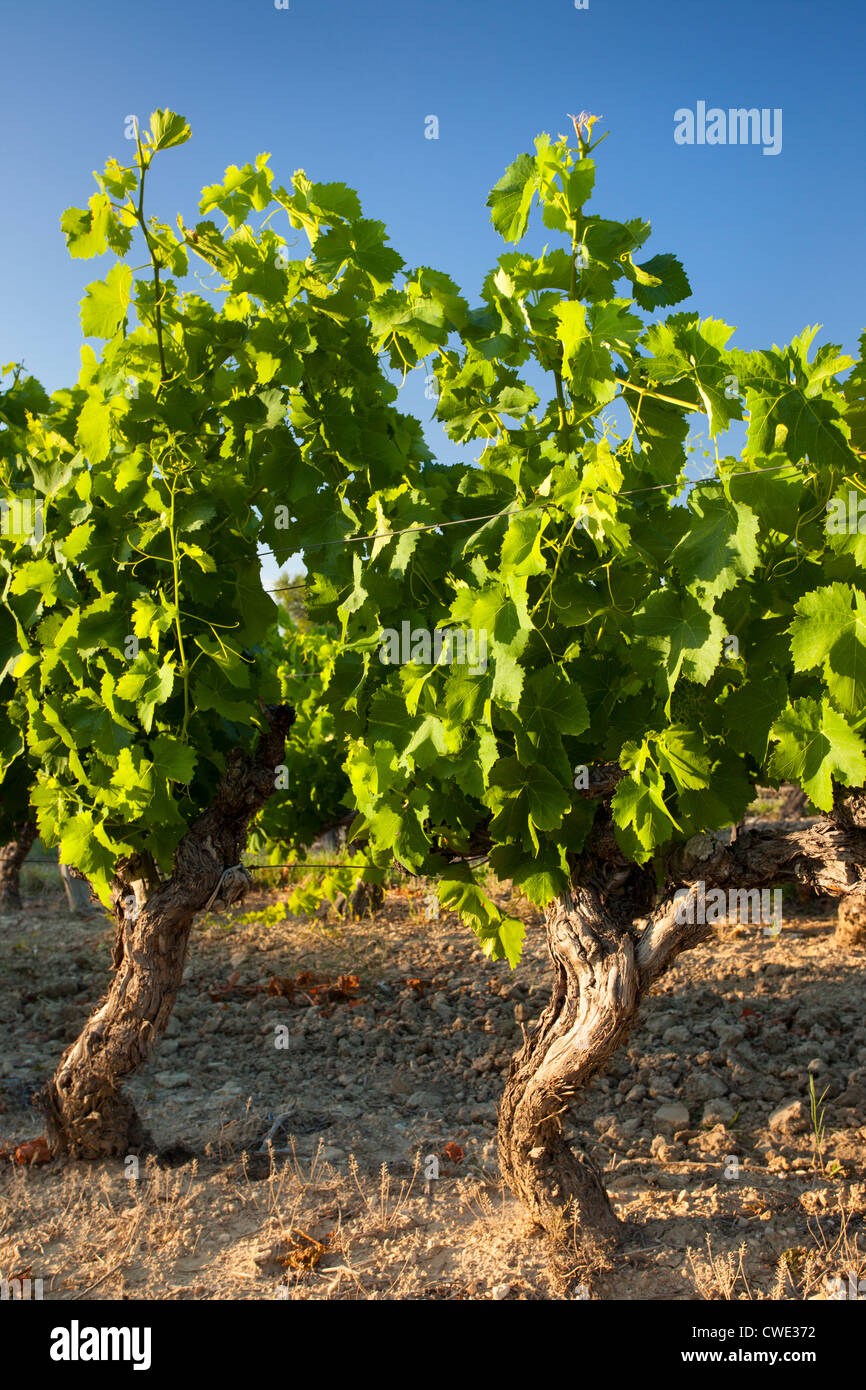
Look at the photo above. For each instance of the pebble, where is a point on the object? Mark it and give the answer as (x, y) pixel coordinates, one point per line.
(672, 1117)
(428, 1101)
(228, 1090)
(332, 1153)
(789, 1118)
(676, 1034)
(717, 1112)
(484, 1114)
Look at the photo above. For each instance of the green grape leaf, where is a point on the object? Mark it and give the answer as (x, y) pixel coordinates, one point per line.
(814, 745)
(830, 631)
(167, 129)
(511, 198)
(642, 820)
(106, 302)
(720, 547)
(175, 760)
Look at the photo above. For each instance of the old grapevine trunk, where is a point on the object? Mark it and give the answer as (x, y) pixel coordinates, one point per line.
(12, 857)
(593, 1005)
(88, 1114)
(609, 937)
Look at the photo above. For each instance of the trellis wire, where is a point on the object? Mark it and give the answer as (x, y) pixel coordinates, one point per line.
(491, 516)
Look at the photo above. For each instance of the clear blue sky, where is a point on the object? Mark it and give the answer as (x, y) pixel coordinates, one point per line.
(342, 88)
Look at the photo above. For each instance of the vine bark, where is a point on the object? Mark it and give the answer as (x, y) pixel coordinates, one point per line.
(88, 1114)
(609, 938)
(592, 1008)
(12, 857)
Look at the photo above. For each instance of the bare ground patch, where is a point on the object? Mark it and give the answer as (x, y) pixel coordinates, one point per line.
(378, 1084)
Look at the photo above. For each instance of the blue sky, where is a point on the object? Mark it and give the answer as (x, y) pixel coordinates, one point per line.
(342, 88)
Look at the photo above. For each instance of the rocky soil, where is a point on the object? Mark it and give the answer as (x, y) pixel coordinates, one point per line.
(379, 1096)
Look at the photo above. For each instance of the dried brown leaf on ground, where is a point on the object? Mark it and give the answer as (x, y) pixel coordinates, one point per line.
(232, 989)
(33, 1151)
(302, 1251)
(314, 988)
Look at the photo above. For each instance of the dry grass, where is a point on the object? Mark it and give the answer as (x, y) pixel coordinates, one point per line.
(717, 1276)
(802, 1273)
(304, 1231)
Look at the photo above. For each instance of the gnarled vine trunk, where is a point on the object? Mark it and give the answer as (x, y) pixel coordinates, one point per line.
(593, 1006)
(88, 1114)
(12, 857)
(609, 937)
